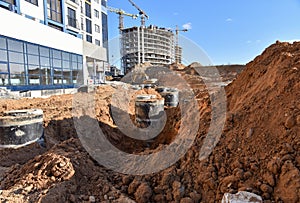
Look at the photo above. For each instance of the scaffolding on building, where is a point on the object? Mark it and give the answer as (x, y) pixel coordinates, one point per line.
(147, 44)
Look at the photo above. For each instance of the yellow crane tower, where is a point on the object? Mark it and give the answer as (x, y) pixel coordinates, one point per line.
(120, 12)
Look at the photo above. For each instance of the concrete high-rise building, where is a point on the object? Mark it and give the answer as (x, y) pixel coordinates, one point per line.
(147, 44)
(46, 44)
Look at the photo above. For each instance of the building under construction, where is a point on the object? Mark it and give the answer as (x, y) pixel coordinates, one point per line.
(147, 44)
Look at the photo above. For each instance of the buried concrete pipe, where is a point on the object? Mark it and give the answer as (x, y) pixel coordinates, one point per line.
(171, 96)
(148, 109)
(20, 127)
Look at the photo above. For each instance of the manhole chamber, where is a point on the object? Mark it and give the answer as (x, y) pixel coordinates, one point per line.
(20, 127)
(148, 109)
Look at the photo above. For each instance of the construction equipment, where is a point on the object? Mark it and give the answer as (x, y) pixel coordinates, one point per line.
(177, 30)
(120, 12)
(141, 12)
(178, 49)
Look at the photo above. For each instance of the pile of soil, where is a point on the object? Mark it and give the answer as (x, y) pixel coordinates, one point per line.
(258, 151)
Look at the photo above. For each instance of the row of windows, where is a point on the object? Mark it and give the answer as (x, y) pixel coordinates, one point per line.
(54, 10)
(72, 21)
(23, 63)
(89, 38)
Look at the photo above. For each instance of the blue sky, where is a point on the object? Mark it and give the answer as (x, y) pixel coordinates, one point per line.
(228, 31)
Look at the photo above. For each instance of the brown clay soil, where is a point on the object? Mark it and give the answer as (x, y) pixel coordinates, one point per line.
(259, 150)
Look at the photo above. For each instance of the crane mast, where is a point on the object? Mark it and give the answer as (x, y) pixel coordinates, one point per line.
(178, 50)
(177, 30)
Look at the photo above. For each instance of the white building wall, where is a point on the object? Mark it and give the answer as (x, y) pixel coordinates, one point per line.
(32, 10)
(32, 31)
(96, 21)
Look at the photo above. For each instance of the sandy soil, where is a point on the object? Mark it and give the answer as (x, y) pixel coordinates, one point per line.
(258, 150)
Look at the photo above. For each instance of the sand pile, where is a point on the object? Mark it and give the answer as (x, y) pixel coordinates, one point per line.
(259, 149)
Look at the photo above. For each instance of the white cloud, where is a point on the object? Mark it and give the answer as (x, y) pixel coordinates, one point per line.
(229, 20)
(187, 26)
(249, 42)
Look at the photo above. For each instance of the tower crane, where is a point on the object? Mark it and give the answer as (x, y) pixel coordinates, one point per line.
(177, 30)
(178, 49)
(141, 12)
(120, 12)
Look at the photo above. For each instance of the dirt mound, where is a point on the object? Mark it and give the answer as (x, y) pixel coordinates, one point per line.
(176, 66)
(259, 150)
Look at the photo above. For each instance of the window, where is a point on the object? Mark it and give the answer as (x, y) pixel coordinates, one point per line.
(97, 28)
(3, 55)
(88, 26)
(104, 30)
(44, 51)
(56, 54)
(54, 10)
(96, 13)
(81, 7)
(32, 59)
(89, 38)
(4, 79)
(2, 43)
(15, 45)
(103, 3)
(34, 2)
(88, 10)
(45, 75)
(3, 68)
(32, 49)
(97, 42)
(16, 57)
(16, 79)
(34, 79)
(82, 24)
(72, 18)
(16, 68)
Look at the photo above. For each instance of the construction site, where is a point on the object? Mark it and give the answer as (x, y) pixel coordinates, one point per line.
(165, 132)
(147, 44)
(151, 44)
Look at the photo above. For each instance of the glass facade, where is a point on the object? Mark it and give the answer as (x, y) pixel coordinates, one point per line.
(27, 65)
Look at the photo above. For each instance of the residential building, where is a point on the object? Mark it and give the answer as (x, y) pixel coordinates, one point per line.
(52, 44)
(147, 44)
